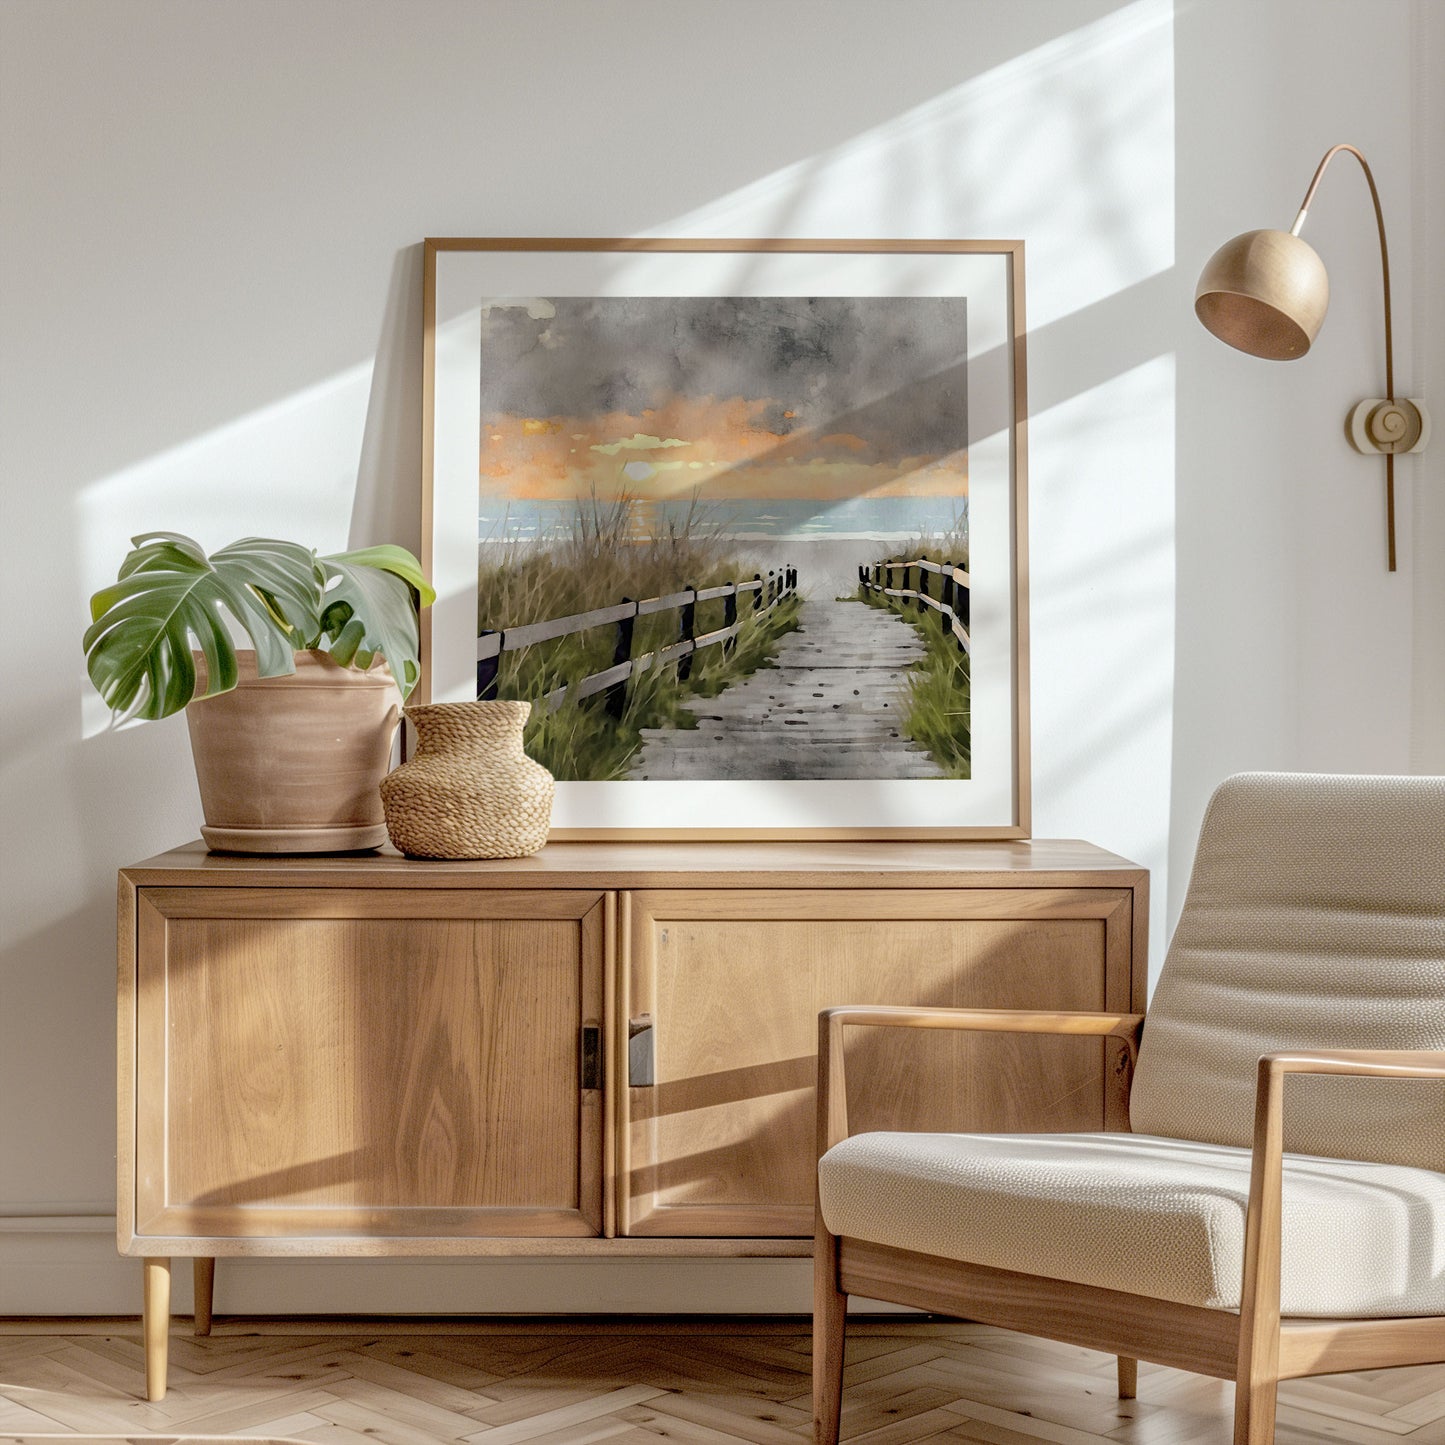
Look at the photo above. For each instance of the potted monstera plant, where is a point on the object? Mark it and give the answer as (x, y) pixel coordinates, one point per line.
(292, 737)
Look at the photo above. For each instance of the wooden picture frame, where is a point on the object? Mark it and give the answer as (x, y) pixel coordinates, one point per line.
(542, 359)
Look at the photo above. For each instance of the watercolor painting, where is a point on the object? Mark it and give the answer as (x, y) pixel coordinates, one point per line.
(727, 537)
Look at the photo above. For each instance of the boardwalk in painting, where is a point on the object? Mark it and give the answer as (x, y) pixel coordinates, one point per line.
(829, 709)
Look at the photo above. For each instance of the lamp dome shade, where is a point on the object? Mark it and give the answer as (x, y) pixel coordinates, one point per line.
(1264, 292)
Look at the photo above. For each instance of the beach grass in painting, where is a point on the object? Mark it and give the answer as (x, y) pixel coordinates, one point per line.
(936, 693)
(603, 560)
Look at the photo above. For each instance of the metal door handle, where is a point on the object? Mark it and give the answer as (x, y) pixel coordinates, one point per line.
(641, 1052)
(590, 1060)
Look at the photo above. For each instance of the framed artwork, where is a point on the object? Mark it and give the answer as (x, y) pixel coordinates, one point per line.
(744, 520)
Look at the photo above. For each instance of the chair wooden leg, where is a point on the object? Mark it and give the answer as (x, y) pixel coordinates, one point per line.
(1256, 1381)
(205, 1277)
(1254, 1403)
(830, 1317)
(156, 1325)
(1128, 1377)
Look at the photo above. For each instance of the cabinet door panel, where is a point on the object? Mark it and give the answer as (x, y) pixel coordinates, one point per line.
(723, 1141)
(398, 1065)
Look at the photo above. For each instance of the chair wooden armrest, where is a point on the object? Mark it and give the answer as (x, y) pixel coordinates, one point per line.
(1365, 1063)
(832, 1093)
(1259, 1300)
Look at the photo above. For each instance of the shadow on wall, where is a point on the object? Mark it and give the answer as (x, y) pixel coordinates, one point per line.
(387, 505)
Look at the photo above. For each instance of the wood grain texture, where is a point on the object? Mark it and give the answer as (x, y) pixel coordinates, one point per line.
(830, 1309)
(611, 1084)
(571, 1134)
(127, 949)
(1058, 863)
(156, 1323)
(1126, 1375)
(832, 1107)
(272, 904)
(341, 1238)
(722, 1145)
(1258, 1350)
(362, 1064)
(724, 1381)
(1022, 670)
(830, 1303)
(1185, 1337)
(826, 245)
(378, 1057)
(636, 996)
(203, 1272)
(1325, 1347)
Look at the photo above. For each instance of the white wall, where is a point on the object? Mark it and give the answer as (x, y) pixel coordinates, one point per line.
(1425, 299)
(1296, 648)
(211, 218)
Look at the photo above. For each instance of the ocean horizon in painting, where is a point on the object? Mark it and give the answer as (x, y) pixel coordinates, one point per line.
(855, 518)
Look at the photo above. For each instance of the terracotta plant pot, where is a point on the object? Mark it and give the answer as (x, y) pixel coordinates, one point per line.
(292, 764)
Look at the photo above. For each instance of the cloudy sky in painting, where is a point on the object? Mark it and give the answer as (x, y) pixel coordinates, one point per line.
(741, 397)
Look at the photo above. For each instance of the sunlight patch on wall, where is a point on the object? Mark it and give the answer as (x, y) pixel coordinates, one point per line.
(1101, 564)
(1070, 145)
(286, 470)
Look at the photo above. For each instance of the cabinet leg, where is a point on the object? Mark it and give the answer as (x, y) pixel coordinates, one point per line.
(205, 1276)
(156, 1325)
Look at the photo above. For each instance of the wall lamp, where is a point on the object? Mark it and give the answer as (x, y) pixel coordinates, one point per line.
(1265, 292)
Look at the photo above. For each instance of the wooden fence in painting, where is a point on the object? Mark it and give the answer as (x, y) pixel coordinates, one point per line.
(766, 593)
(951, 604)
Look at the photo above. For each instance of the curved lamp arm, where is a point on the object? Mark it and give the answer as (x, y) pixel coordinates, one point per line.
(1299, 220)
(1391, 412)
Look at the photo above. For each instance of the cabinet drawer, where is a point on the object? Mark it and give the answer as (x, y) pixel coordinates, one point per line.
(721, 1142)
(366, 1062)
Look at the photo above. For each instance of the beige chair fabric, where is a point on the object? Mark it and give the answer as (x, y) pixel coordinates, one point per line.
(1315, 918)
(1151, 1216)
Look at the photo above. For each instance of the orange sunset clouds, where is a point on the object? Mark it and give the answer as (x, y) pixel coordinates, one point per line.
(732, 398)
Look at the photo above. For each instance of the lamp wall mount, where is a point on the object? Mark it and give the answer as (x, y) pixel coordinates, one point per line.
(1395, 427)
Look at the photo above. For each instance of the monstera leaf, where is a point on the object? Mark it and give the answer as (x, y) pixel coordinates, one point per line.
(369, 606)
(171, 600)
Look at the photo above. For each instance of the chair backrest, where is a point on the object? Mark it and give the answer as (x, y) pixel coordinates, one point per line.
(1315, 918)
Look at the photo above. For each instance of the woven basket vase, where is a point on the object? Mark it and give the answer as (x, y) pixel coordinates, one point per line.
(470, 791)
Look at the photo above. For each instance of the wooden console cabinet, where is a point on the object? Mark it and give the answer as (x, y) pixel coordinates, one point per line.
(605, 1049)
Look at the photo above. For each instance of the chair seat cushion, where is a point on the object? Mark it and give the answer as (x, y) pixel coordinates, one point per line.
(1147, 1215)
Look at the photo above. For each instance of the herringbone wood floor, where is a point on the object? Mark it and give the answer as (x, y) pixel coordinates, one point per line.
(642, 1383)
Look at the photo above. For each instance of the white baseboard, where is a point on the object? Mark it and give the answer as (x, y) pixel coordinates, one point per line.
(60, 1265)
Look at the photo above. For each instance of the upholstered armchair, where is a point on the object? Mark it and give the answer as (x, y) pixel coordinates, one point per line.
(1266, 1217)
